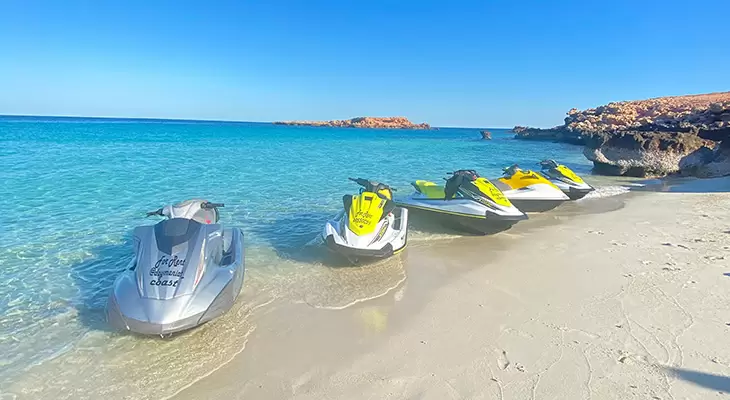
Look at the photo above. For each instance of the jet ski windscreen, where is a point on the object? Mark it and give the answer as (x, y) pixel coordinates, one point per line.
(172, 232)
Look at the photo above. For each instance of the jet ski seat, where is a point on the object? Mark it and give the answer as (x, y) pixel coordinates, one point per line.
(347, 202)
(501, 185)
(387, 208)
(429, 189)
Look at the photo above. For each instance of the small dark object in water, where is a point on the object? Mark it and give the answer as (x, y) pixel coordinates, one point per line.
(486, 135)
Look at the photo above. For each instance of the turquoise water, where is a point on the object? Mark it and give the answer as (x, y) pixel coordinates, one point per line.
(73, 189)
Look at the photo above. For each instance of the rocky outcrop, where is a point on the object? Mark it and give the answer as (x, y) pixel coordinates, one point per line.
(362, 122)
(705, 111)
(646, 153)
(486, 135)
(556, 134)
(650, 137)
(718, 163)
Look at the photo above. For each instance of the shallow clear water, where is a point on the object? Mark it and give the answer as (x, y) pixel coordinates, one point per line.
(73, 189)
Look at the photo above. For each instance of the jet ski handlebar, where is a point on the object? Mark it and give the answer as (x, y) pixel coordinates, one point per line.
(547, 164)
(156, 212)
(468, 172)
(371, 185)
(509, 171)
(205, 205)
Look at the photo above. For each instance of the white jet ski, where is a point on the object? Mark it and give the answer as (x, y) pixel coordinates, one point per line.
(564, 178)
(529, 191)
(370, 225)
(467, 202)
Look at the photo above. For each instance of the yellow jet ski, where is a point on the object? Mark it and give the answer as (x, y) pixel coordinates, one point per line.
(370, 225)
(467, 202)
(530, 191)
(565, 179)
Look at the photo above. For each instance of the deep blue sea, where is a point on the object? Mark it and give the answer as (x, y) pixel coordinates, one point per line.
(72, 189)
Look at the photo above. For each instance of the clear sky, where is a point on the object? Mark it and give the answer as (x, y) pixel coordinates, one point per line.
(488, 63)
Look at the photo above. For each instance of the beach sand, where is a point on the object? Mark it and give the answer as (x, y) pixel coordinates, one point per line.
(629, 302)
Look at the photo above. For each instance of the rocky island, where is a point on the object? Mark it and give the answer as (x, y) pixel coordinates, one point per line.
(654, 137)
(362, 122)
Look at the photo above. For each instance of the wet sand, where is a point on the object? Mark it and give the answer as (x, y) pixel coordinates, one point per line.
(616, 298)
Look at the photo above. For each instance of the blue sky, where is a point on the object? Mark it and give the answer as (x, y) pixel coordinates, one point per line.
(489, 63)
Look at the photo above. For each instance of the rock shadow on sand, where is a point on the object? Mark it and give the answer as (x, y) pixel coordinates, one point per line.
(677, 184)
(710, 381)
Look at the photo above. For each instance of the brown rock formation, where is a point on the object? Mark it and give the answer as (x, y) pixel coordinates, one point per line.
(704, 111)
(363, 122)
(649, 137)
(640, 153)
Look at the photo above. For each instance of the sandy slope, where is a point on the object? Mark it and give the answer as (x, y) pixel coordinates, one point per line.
(633, 303)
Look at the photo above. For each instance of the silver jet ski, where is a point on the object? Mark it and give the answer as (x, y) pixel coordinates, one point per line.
(467, 202)
(187, 270)
(564, 178)
(369, 226)
(529, 191)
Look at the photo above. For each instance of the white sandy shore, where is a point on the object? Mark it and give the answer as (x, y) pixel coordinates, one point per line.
(632, 303)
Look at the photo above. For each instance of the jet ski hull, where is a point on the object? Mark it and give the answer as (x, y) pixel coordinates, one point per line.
(576, 193)
(532, 205)
(144, 326)
(474, 225)
(358, 253)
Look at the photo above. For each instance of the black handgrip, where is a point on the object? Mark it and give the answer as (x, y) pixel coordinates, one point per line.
(472, 173)
(208, 205)
(156, 212)
(360, 181)
(548, 163)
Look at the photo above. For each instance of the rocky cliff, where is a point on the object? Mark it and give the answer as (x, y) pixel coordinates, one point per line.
(363, 122)
(650, 137)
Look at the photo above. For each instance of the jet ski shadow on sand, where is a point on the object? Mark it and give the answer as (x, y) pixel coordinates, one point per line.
(94, 279)
(295, 237)
(298, 238)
